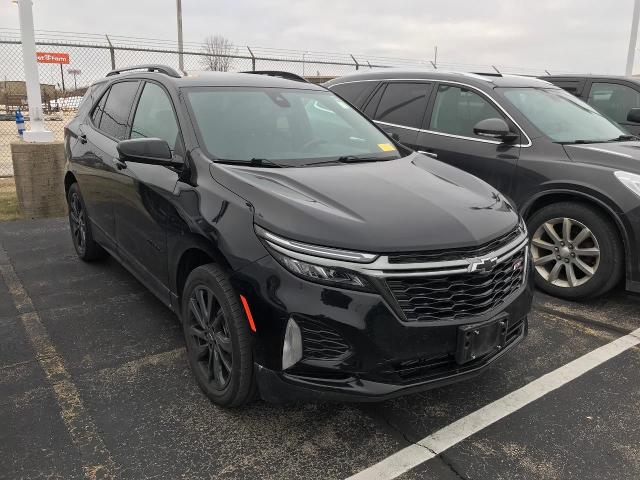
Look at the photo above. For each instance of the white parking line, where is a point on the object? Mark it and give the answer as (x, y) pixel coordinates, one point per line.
(436, 443)
(97, 461)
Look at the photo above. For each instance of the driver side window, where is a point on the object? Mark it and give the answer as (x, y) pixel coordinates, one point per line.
(457, 110)
(154, 117)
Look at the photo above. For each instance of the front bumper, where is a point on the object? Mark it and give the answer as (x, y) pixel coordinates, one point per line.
(282, 387)
(357, 345)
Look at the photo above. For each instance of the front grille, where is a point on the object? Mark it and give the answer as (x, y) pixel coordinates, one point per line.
(458, 296)
(320, 342)
(455, 254)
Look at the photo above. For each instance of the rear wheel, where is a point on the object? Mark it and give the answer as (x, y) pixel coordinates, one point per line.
(86, 247)
(576, 251)
(217, 337)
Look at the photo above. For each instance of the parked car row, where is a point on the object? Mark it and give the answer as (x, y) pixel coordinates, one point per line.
(573, 173)
(313, 253)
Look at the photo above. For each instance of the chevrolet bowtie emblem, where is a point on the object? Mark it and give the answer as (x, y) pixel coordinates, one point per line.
(484, 265)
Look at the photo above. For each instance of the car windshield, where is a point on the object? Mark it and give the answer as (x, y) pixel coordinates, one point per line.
(285, 127)
(561, 116)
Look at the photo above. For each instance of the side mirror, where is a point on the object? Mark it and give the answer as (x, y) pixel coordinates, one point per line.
(153, 151)
(634, 115)
(495, 128)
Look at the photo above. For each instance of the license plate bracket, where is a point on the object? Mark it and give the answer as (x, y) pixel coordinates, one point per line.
(479, 339)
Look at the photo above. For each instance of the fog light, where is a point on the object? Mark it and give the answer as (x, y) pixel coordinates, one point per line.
(292, 348)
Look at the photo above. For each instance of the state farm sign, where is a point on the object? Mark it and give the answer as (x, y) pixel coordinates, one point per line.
(48, 57)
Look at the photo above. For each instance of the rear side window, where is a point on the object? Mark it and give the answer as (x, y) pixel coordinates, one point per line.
(154, 117)
(117, 107)
(356, 93)
(97, 112)
(571, 86)
(403, 104)
(457, 110)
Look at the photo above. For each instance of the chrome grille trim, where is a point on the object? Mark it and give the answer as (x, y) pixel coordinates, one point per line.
(381, 267)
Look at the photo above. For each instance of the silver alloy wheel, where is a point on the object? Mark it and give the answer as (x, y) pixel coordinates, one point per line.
(565, 252)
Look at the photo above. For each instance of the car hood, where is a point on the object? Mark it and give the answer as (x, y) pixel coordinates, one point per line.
(617, 155)
(414, 203)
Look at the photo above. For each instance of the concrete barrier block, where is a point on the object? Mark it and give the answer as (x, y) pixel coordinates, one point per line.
(38, 169)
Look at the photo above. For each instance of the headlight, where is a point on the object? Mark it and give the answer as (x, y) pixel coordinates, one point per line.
(523, 226)
(323, 266)
(629, 180)
(319, 273)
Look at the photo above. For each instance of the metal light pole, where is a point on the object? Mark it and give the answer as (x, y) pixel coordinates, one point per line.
(36, 132)
(75, 72)
(180, 56)
(633, 39)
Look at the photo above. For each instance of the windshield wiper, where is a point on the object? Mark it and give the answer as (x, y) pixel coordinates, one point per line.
(356, 159)
(624, 138)
(580, 142)
(351, 159)
(254, 162)
(621, 138)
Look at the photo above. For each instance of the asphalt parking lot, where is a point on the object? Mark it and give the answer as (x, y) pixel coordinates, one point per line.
(94, 383)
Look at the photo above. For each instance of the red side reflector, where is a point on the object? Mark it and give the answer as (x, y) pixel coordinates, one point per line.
(248, 312)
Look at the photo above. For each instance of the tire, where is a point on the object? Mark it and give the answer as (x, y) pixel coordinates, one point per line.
(81, 235)
(591, 249)
(219, 349)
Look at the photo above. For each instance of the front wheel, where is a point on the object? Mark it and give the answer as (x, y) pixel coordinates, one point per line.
(576, 251)
(86, 247)
(217, 337)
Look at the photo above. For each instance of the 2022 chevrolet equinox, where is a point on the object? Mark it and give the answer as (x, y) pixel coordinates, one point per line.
(307, 255)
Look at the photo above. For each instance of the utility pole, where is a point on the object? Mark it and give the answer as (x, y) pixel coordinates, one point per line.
(180, 56)
(633, 39)
(62, 77)
(36, 132)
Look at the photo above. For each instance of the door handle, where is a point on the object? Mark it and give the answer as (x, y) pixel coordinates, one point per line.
(429, 154)
(82, 138)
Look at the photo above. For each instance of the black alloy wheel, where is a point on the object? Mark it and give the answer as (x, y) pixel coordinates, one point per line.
(86, 247)
(217, 337)
(77, 222)
(210, 336)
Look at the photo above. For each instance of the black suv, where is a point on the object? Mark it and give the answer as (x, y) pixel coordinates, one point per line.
(574, 174)
(307, 255)
(615, 97)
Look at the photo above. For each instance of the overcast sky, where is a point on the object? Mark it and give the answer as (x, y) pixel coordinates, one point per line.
(560, 35)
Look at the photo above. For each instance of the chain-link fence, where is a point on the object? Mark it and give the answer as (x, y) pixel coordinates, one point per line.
(91, 56)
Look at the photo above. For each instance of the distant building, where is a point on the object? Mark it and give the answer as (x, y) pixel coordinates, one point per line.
(13, 95)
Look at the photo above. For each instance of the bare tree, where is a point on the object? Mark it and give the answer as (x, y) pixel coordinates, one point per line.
(218, 49)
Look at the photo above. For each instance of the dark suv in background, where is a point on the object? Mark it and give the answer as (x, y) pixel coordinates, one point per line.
(573, 173)
(615, 97)
(307, 255)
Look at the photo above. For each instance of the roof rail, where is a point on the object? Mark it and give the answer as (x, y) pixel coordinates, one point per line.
(488, 74)
(172, 72)
(281, 74)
